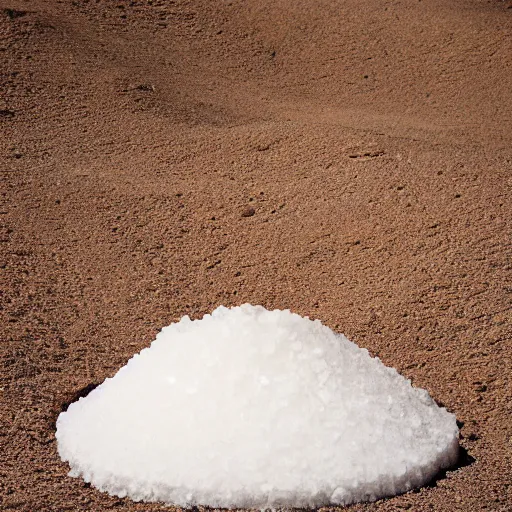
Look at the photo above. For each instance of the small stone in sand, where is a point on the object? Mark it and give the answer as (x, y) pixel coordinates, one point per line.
(248, 212)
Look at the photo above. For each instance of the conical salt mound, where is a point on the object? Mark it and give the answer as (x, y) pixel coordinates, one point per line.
(256, 408)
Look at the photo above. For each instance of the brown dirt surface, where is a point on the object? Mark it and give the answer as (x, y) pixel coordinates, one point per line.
(350, 160)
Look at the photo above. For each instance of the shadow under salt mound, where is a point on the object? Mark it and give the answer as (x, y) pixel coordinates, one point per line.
(73, 397)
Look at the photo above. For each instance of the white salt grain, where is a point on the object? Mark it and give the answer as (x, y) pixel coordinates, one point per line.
(256, 408)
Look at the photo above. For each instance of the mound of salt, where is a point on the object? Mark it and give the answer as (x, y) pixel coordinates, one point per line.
(256, 408)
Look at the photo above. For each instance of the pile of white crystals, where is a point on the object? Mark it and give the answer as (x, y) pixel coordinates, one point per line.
(256, 409)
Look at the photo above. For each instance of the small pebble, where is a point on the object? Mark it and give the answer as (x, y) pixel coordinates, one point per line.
(248, 212)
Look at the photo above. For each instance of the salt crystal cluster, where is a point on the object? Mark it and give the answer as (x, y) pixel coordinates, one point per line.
(258, 409)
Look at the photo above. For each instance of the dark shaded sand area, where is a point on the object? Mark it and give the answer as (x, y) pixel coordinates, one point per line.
(350, 160)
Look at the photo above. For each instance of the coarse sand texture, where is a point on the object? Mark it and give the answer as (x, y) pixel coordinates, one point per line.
(254, 408)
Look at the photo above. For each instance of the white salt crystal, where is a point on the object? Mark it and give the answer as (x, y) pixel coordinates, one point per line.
(256, 408)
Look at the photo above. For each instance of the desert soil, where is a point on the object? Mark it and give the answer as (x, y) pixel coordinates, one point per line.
(350, 160)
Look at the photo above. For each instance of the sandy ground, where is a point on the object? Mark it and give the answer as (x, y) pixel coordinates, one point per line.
(371, 138)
